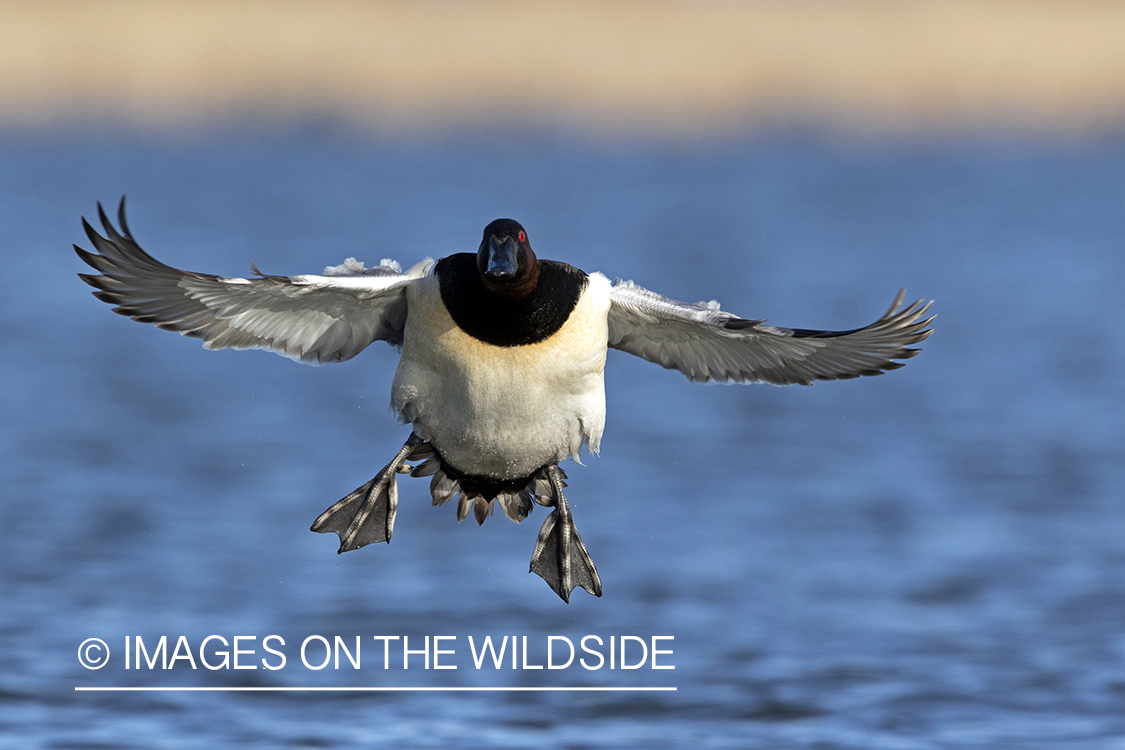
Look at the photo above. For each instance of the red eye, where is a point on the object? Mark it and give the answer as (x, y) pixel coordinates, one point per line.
(523, 236)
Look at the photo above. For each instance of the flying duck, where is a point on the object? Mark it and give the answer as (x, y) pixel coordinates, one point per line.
(501, 367)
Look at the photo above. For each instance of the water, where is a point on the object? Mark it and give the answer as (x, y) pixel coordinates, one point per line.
(928, 559)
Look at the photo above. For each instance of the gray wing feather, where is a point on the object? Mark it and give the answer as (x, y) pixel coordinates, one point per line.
(312, 319)
(706, 343)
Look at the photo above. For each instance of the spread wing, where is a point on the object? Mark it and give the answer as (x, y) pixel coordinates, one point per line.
(705, 343)
(312, 319)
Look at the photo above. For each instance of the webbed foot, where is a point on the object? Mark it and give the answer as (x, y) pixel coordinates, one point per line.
(367, 515)
(560, 556)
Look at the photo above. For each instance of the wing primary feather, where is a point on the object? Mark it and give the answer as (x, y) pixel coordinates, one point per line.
(121, 219)
(310, 318)
(705, 343)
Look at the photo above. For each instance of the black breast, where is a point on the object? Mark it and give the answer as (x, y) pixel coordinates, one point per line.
(506, 322)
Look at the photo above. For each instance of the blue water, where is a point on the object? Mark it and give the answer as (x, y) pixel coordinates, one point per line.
(934, 558)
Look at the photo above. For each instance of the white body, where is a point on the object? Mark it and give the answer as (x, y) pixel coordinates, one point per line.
(497, 411)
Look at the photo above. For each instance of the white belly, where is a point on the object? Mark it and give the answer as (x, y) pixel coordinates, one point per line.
(503, 412)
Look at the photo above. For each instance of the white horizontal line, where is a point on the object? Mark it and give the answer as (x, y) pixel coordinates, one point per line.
(374, 689)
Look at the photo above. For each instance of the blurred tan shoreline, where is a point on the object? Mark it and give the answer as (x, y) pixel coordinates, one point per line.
(617, 66)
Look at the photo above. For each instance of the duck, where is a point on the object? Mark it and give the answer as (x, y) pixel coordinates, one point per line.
(501, 367)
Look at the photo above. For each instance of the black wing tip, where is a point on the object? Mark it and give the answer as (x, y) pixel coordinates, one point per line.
(91, 233)
(104, 219)
(102, 283)
(121, 218)
(96, 239)
(107, 226)
(88, 258)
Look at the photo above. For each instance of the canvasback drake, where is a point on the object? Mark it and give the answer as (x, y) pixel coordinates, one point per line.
(501, 371)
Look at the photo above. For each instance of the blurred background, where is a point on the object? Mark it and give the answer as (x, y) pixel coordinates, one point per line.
(928, 559)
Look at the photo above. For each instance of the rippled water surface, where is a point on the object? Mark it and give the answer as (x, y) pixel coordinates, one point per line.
(930, 559)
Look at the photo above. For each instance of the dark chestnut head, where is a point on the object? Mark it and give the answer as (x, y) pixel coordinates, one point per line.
(506, 261)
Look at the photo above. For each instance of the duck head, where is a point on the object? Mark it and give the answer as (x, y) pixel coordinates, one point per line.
(507, 264)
